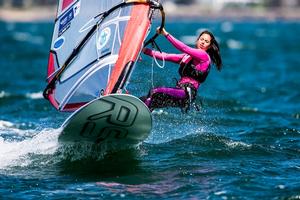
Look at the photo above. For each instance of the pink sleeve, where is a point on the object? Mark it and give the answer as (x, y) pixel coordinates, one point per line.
(166, 56)
(195, 53)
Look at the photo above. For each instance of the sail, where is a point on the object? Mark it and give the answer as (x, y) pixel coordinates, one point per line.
(97, 49)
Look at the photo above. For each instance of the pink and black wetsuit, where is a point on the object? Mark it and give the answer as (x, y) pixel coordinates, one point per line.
(193, 70)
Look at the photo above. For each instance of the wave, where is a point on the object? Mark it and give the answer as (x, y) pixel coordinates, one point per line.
(5, 124)
(28, 95)
(37, 148)
(14, 152)
(4, 94)
(227, 27)
(253, 143)
(211, 140)
(34, 95)
(234, 44)
(28, 37)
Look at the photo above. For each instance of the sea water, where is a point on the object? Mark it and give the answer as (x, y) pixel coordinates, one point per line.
(244, 143)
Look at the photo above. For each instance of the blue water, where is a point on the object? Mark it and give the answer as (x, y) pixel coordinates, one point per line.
(243, 144)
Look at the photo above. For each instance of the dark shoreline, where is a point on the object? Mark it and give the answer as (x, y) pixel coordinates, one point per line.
(47, 14)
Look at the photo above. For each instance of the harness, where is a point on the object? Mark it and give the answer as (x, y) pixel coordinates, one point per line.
(188, 69)
(191, 92)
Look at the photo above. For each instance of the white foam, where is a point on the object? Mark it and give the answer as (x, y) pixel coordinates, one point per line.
(16, 153)
(5, 124)
(27, 37)
(36, 95)
(4, 94)
(220, 193)
(226, 27)
(160, 112)
(9, 127)
(235, 144)
(234, 44)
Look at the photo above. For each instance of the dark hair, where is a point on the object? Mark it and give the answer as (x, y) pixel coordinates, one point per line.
(214, 50)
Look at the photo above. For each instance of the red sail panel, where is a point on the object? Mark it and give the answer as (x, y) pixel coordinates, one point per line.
(66, 3)
(134, 37)
(51, 69)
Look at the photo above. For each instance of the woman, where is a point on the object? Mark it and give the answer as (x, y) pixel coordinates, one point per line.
(194, 66)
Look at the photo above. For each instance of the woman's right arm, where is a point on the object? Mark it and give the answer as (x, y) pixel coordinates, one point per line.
(195, 53)
(176, 58)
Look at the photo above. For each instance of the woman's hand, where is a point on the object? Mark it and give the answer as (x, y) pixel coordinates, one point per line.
(163, 31)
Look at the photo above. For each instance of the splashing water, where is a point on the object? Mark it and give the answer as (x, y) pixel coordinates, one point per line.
(17, 153)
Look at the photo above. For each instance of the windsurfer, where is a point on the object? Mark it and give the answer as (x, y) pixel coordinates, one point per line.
(194, 66)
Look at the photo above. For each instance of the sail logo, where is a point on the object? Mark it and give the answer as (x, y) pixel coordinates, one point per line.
(113, 122)
(65, 22)
(103, 38)
(59, 42)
